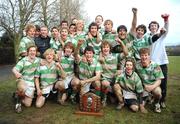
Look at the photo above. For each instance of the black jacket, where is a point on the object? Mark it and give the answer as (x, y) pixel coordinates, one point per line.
(42, 44)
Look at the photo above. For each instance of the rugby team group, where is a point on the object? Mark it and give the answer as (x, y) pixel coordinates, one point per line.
(128, 67)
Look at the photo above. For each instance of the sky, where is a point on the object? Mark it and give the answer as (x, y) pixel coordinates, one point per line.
(119, 11)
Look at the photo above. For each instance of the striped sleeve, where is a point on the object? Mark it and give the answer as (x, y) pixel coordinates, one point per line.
(158, 72)
(19, 65)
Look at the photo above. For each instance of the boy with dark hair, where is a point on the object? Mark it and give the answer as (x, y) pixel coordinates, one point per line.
(67, 63)
(132, 87)
(142, 40)
(94, 38)
(89, 71)
(37, 31)
(43, 41)
(126, 37)
(72, 31)
(55, 42)
(159, 55)
(64, 24)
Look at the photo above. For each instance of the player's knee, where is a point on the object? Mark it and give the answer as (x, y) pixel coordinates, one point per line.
(60, 86)
(157, 93)
(134, 108)
(27, 104)
(20, 89)
(40, 102)
(75, 84)
(21, 85)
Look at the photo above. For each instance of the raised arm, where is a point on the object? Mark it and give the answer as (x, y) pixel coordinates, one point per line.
(134, 21)
(59, 67)
(76, 52)
(164, 30)
(124, 48)
(99, 37)
(166, 21)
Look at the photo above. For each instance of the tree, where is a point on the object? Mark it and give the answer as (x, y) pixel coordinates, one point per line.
(14, 15)
(70, 9)
(54, 11)
(48, 13)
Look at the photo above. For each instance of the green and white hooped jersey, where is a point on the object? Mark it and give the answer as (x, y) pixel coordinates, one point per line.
(128, 42)
(109, 66)
(101, 30)
(149, 74)
(144, 42)
(110, 37)
(87, 70)
(129, 39)
(47, 75)
(25, 43)
(67, 64)
(72, 40)
(27, 69)
(81, 36)
(96, 46)
(56, 45)
(130, 83)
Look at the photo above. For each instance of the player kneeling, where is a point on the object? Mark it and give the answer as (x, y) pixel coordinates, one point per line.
(46, 77)
(132, 87)
(24, 72)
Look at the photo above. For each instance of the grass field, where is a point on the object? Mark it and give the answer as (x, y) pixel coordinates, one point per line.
(52, 113)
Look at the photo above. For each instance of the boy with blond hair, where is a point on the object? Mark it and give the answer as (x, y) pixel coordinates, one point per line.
(89, 71)
(46, 77)
(27, 41)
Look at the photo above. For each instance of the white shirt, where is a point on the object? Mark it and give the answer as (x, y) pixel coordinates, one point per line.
(158, 51)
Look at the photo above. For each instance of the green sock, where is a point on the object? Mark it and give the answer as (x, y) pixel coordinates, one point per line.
(98, 93)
